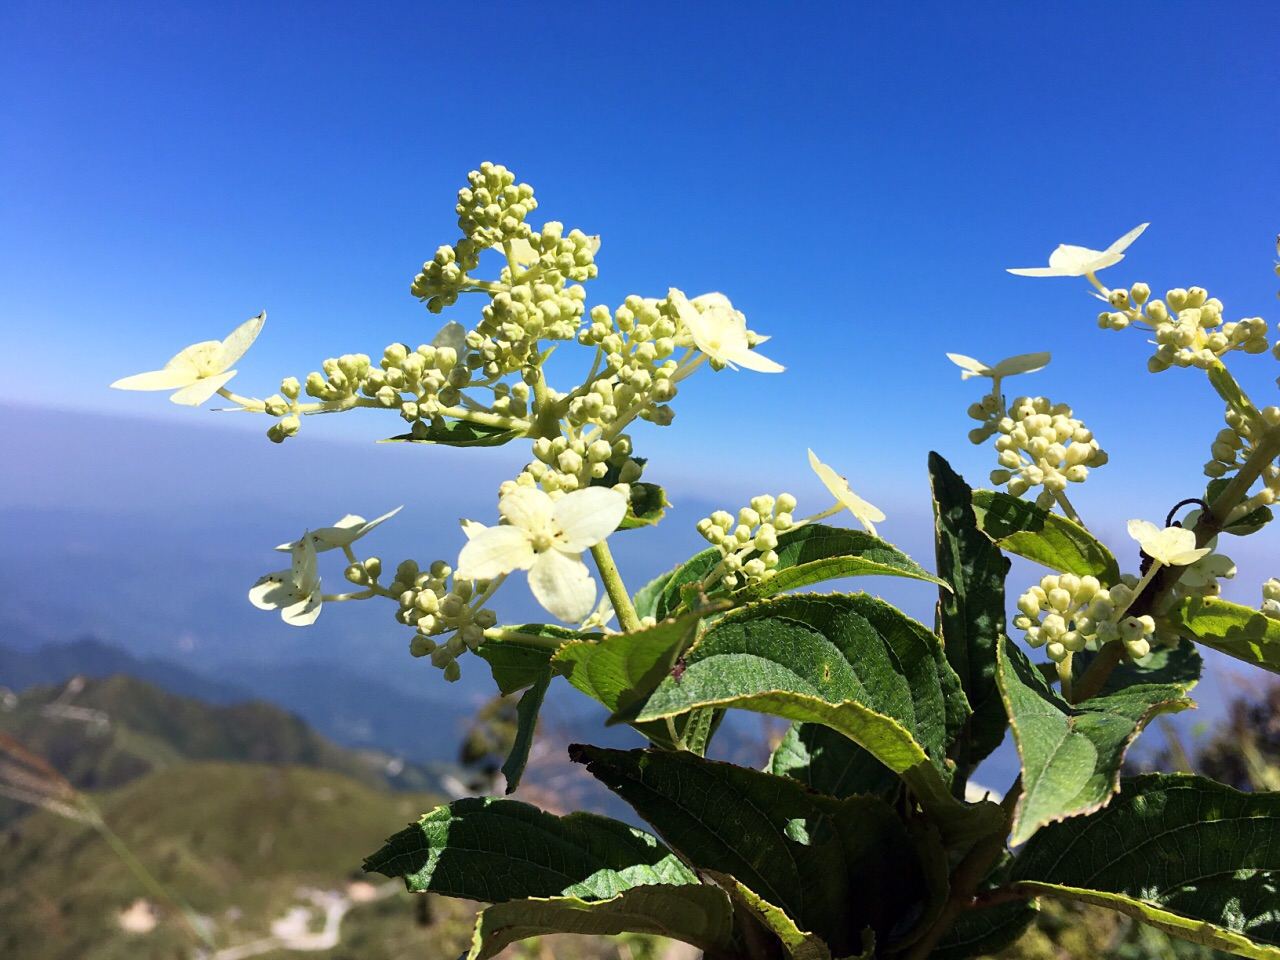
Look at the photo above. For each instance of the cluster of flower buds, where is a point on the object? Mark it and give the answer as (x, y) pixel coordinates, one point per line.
(418, 382)
(1081, 614)
(1040, 444)
(636, 343)
(435, 606)
(748, 544)
(512, 323)
(563, 465)
(1235, 444)
(1271, 598)
(491, 210)
(1187, 324)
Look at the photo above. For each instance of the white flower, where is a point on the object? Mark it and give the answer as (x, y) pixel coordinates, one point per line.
(1172, 546)
(200, 370)
(545, 537)
(1072, 261)
(294, 592)
(1208, 570)
(868, 515)
(342, 534)
(1022, 363)
(720, 331)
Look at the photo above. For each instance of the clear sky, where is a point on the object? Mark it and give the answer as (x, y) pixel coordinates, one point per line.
(854, 176)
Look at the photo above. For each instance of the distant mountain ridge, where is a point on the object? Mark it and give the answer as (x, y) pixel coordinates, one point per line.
(351, 709)
(90, 657)
(101, 734)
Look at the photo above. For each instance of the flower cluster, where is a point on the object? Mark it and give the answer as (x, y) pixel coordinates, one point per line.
(487, 384)
(1039, 444)
(564, 465)
(1235, 445)
(491, 209)
(436, 603)
(1188, 326)
(748, 543)
(1081, 614)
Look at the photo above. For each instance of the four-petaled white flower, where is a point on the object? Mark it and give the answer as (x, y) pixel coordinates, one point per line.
(1172, 546)
(200, 370)
(720, 331)
(868, 514)
(1022, 363)
(1072, 261)
(342, 534)
(547, 538)
(294, 592)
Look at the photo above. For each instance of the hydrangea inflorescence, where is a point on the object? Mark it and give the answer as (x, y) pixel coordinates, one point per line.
(485, 383)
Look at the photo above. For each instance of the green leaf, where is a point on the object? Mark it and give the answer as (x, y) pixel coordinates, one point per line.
(620, 670)
(526, 725)
(457, 433)
(980, 931)
(971, 613)
(829, 762)
(646, 598)
(848, 661)
(796, 944)
(648, 502)
(518, 663)
(698, 915)
(481, 848)
(1251, 522)
(1195, 858)
(834, 866)
(1071, 755)
(1240, 632)
(838, 649)
(1047, 538)
(1180, 665)
(806, 555)
(987, 928)
(815, 552)
(648, 505)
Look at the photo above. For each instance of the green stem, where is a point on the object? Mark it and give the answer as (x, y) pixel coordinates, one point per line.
(249, 404)
(615, 588)
(966, 878)
(503, 634)
(1066, 506)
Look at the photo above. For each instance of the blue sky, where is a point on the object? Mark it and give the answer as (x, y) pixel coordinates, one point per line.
(855, 177)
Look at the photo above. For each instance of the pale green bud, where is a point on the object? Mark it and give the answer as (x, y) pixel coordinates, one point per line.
(290, 387)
